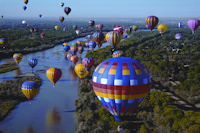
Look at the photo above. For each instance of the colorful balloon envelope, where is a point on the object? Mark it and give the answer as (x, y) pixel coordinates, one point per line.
(42, 35)
(24, 7)
(113, 38)
(99, 27)
(24, 23)
(61, 19)
(62, 4)
(80, 49)
(32, 62)
(69, 55)
(57, 27)
(118, 53)
(66, 48)
(92, 45)
(135, 27)
(67, 10)
(121, 83)
(99, 37)
(26, 1)
(87, 44)
(3, 41)
(54, 74)
(162, 28)
(91, 23)
(74, 49)
(151, 22)
(81, 71)
(31, 30)
(128, 30)
(79, 42)
(193, 24)
(17, 57)
(40, 15)
(36, 30)
(74, 27)
(65, 43)
(88, 63)
(30, 89)
(74, 59)
(78, 32)
(74, 44)
(118, 29)
(178, 36)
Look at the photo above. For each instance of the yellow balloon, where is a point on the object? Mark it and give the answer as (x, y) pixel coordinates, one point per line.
(162, 28)
(65, 43)
(81, 71)
(57, 27)
(54, 74)
(17, 57)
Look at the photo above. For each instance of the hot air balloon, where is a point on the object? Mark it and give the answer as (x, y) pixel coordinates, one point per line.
(24, 7)
(62, 4)
(67, 10)
(89, 36)
(92, 45)
(87, 44)
(61, 19)
(81, 71)
(2, 16)
(78, 32)
(24, 23)
(91, 23)
(99, 38)
(69, 55)
(74, 27)
(178, 36)
(42, 35)
(79, 42)
(65, 43)
(151, 22)
(66, 47)
(121, 83)
(40, 15)
(135, 27)
(113, 38)
(3, 41)
(193, 24)
(57, 27)
(31, 30)
(32, 62)
(125, 36)
(118, 29)
(88, 63)
(74, 44)
(99, 27)
(74, 49)
(30, 89)
(54, 74)
(26, 1)
(36, 29)
(80, 49)
(162, 28)
(74, 59)
(118, 53)
(17, 57)
(128, 30)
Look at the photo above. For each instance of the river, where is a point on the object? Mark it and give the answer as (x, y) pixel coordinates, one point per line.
(52, 110)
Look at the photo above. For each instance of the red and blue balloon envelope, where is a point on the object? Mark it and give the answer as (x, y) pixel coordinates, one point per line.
(178, 36)
(88, 63)
(121, 84)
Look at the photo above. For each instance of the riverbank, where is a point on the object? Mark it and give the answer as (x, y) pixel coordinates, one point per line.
(7, 53)
(11, 94)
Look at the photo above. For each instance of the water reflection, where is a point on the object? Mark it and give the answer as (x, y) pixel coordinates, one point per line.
(53, 120)
(30, 130)
(72, 73)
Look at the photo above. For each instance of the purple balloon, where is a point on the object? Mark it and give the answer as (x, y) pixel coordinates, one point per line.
(193, 24)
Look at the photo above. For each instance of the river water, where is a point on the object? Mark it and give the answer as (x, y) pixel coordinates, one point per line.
(52, 110)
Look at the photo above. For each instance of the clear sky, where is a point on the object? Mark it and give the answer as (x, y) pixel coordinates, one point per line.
(102, 8)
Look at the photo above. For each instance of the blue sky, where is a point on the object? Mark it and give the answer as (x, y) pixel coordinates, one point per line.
(102, 8)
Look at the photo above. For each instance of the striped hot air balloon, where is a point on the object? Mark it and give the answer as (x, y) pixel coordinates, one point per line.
(54, 74)
(118, 53)
(121, 83)
(113, 38)
(151, 22)
(88, 63)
